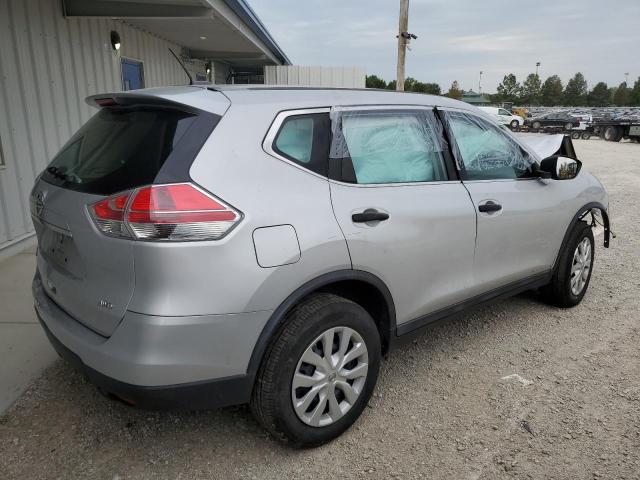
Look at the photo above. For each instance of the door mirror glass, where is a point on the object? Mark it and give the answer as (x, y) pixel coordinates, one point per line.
(560, 168)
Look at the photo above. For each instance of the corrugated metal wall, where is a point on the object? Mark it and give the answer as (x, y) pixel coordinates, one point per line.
(48, 65)
(348, 77)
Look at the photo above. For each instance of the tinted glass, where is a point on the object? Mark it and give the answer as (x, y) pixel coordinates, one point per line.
(304, 139)
(503, 112)
(394, 146)
(295, 138)
(485, 151)
(118, 149)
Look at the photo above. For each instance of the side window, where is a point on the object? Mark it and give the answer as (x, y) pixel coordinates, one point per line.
(485, 152)
(304, 139)
(502, 111)
(387, 146)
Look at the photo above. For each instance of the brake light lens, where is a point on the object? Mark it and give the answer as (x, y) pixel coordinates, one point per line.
(174, 212)
(109, 215)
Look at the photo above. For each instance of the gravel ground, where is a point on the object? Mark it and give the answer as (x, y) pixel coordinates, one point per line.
(441, 408)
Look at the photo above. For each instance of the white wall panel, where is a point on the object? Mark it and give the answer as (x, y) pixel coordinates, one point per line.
(48, 65)
(308, 76)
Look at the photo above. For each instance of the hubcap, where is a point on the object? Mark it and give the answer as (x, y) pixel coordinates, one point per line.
(581, 266)
(330, 376)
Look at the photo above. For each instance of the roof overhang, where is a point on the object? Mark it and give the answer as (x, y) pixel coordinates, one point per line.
(225, 30)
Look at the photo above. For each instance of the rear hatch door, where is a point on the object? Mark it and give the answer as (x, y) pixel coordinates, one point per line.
(129, 143)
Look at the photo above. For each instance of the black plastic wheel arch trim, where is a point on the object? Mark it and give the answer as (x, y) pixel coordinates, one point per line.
(580, 214)
(279, 314)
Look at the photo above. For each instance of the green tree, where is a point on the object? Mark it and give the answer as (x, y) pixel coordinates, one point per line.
(575, 93)
(454, 91)
(634, 96)
(622, 96)
(531, 90)
(410, 84)
(599, 96)
(391, 85)
(373, 81)
(431, 88)
(509, 90)
(551, 92)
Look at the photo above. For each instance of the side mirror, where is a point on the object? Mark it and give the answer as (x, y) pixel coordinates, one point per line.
(559, 168)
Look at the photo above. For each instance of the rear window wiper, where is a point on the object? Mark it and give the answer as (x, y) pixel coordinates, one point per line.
(56, 172)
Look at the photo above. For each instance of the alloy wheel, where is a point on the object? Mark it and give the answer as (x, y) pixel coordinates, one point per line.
(330, 376)
(581, 266)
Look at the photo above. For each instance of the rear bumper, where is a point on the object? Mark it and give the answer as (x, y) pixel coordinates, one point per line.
(160, 362)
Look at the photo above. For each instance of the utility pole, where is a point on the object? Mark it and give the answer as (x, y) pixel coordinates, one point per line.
(403, 37)
(626, 78)
(537, 66)
(480, 82)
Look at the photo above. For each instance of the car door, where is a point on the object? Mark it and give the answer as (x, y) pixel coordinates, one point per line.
(404, 216)
(521, 219)
(505, 117)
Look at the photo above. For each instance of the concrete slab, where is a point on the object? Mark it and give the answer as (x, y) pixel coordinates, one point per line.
(25, 353)
(24, 348)
(16, 274)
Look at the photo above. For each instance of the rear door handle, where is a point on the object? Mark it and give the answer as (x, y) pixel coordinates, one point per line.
(489, 207)
(369, 215)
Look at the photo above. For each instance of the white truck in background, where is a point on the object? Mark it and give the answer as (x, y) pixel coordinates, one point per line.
(504, 117)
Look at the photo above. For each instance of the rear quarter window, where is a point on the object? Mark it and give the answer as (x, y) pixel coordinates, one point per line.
(304, 140)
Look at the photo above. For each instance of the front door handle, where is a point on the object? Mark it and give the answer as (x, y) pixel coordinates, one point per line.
(489, 207)
(369, 215)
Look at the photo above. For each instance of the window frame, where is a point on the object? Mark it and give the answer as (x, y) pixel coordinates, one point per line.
(123, 60)
(269, 141)
(459, 162)
(447, 157)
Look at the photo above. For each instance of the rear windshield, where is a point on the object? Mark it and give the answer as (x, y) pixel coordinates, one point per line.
(119, 149)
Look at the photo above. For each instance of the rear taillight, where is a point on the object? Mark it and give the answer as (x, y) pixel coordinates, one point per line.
(174, 212)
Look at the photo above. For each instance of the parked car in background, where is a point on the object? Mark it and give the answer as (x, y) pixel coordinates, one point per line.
(504, 117)
(176, 270)
(553, 119)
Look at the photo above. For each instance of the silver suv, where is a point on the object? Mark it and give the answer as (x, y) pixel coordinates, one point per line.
(208, 247)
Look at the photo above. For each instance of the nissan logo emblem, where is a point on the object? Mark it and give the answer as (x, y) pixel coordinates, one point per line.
(39, 203)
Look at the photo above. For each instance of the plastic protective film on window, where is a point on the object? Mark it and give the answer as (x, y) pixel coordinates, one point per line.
(485, 150)
(376, 145)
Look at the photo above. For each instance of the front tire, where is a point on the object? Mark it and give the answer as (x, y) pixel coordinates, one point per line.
(319, 372)
(573, 271)
(514, 125)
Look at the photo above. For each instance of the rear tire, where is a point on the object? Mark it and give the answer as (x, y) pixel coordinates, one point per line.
(536, 125)
(586, 136)
(612, 134)
(568, 126)
(571, 278)
(303, 335)
(575, 135)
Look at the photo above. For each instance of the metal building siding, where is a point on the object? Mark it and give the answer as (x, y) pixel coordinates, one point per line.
(48, 65)
(349, 77)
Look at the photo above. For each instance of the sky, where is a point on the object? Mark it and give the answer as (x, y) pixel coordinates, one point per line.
(459, 38)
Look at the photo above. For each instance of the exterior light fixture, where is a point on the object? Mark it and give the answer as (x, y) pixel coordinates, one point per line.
(115, 40)
(202, 37)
